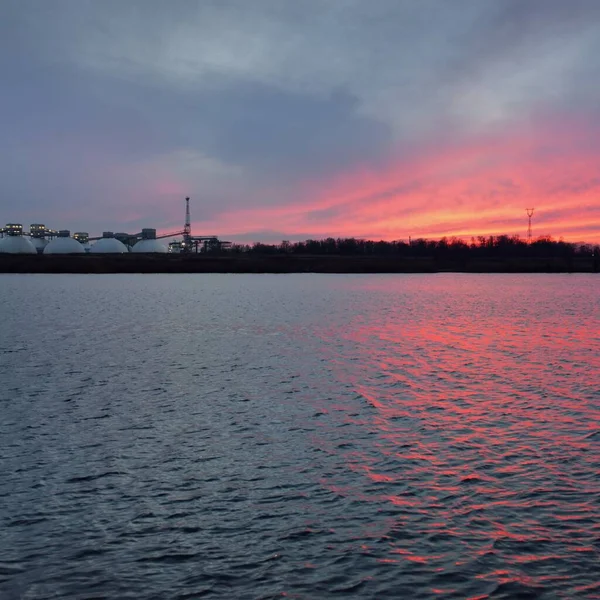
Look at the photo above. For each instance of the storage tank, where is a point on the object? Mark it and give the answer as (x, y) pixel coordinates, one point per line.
(14, 242)
(64, 244)
(149, 244)
(109, 245)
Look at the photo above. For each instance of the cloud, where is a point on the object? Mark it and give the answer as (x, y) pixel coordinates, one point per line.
(266, 111)
(467, 189)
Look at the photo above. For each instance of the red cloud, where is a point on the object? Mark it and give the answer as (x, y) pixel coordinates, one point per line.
(466, 188)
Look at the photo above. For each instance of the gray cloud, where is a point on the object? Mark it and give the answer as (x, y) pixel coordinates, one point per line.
(102, 100)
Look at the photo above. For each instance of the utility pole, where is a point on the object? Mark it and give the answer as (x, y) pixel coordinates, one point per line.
(529, 215)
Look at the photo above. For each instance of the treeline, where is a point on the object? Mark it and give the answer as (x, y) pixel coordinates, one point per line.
(500, 246)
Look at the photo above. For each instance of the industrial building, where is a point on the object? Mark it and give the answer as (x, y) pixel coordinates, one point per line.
(39, 239)
(37, 235)
(83, 238)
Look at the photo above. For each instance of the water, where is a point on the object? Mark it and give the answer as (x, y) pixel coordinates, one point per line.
(306, 436)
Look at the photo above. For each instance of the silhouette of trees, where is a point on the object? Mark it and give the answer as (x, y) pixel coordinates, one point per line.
(451, 249)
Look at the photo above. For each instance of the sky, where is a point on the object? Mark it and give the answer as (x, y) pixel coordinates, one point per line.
(297, 119)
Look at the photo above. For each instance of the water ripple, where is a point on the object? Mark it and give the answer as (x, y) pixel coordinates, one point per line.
(300, 437)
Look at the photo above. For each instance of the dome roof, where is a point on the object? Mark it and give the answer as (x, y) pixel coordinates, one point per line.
(17, 244)
(39, 244)
(64, 245)
(150, 246)
(109, 245)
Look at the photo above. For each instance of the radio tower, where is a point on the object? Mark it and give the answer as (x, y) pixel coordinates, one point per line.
(187, 228)
(529, 215)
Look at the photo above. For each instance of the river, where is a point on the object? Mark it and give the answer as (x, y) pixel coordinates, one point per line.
(300, 436)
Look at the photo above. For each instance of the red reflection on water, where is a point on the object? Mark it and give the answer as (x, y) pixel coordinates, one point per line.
(398, 501)
(476, 419)
(586, 589)
(378, 477)
(523, 558)
(408, 555)
(509, 576)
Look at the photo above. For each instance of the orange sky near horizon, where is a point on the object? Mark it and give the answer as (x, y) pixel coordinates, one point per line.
(478, 187)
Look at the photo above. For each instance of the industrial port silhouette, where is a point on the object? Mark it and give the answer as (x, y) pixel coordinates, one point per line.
(44, 250)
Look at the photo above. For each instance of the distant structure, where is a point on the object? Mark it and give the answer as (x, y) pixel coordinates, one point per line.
(37, 235)
(191, 243)
(146, 242)
(43, 240)
(149, 244)
(14, 242)
(64, 244)
(187, 228)
(83, 237)
(529, 215)
(109, 244)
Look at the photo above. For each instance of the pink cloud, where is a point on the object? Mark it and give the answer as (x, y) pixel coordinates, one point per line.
(470, 187)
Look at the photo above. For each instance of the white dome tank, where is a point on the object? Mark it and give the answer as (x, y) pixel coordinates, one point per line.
(64, 245)
(39, 244)
(108, 245)
(17, 244)
(148, 246)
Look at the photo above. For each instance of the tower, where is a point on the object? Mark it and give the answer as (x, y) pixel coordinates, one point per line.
(187, 228)
(529, 215)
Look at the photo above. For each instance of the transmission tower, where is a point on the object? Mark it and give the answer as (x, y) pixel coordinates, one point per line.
(529, 215)
(187, 228)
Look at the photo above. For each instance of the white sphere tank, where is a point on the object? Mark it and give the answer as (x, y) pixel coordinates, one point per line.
(64, 245)
(39, 244)
(150, 246)
(109, 246)
(17, 244)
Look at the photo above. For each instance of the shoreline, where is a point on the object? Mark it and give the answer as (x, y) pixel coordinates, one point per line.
(177, 263)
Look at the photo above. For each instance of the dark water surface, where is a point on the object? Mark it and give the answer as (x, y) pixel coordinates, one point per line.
(306, 436)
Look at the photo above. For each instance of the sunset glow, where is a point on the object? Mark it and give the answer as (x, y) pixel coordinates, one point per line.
(387, 121)
(478, 187)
